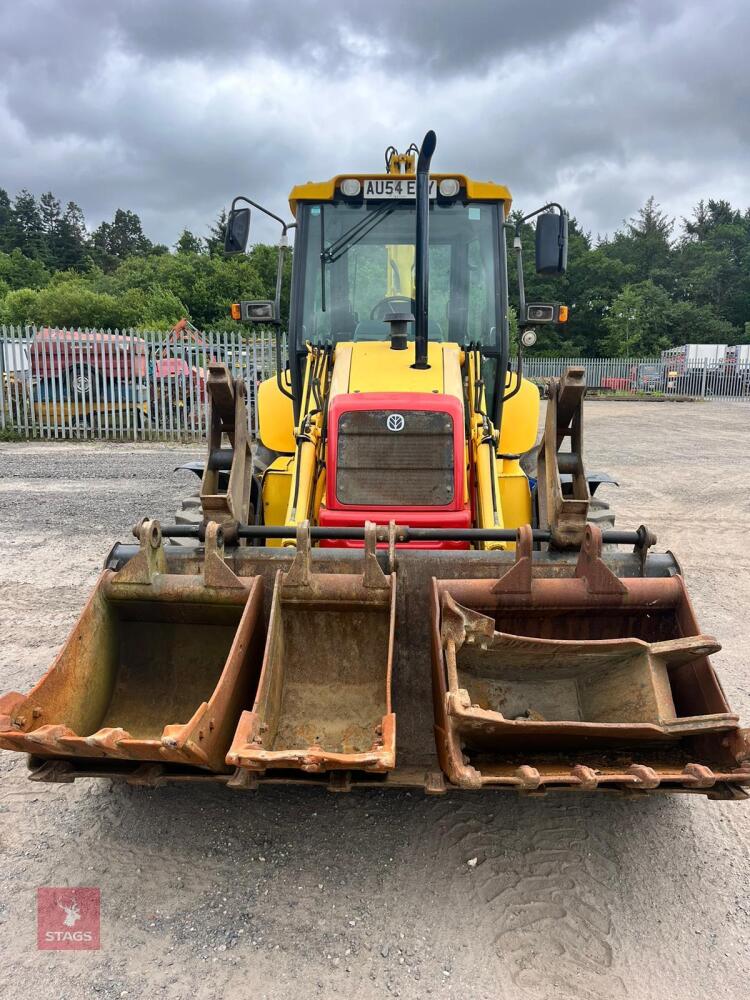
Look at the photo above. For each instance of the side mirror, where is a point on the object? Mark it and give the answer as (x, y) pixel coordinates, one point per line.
(238, 230)
(552, 243)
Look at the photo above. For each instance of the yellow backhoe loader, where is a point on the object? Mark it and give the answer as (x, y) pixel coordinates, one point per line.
(395, 584)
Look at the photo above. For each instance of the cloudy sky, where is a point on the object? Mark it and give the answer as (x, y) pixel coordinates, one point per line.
(169, 107)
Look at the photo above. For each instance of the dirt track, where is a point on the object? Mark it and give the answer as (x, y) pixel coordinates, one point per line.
(208, 893)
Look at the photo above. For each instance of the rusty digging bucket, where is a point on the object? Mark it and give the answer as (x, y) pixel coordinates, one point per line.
(157, 668)
(584, 682)
(324, 696)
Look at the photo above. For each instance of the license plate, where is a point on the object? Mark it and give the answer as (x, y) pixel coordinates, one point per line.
(395, 187)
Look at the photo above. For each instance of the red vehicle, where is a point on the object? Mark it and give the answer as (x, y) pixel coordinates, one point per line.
(183, 356)
(179, 375)
(73, 359)
(616, 384)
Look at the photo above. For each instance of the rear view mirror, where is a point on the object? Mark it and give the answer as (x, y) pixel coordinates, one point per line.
(552, 243)
(237, 231)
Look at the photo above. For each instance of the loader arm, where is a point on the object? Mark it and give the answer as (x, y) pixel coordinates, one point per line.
(309, 457)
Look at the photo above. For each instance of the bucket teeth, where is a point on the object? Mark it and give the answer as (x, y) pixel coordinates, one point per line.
(529, 778)
(586, 777)
(699, 776)
(645, 777)
(108, 740)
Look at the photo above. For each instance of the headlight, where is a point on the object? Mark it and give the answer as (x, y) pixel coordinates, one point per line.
(449, 187)
(351, 187)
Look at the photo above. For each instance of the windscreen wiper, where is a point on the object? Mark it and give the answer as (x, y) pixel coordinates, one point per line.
(337, 249)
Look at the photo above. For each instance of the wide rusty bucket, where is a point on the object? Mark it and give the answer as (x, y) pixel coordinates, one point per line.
(580, 682)
(157, 668)
(324, 696)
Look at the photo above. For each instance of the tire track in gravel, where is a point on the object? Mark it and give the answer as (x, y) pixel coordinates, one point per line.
(538, 899)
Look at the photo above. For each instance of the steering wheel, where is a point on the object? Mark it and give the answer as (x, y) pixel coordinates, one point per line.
(393, 304)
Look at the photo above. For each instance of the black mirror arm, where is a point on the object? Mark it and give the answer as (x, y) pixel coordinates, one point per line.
(538, 211)
(284, 225)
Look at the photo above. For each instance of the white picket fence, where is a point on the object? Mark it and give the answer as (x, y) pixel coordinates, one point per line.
(117, 384)
(145, 385)
(698, 378)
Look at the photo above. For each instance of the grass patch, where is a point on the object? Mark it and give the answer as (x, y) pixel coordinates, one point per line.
(10, 434)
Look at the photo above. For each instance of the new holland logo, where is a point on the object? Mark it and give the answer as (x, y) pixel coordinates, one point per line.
(395, 422)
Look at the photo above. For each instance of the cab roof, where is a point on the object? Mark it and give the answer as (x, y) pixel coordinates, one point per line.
(325, 190)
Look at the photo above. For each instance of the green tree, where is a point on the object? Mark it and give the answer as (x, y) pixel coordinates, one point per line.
(26, 225)
(6, 215)
(712, 266)
(216, 233)
(19, 271)
(115, 241)
(645, 245)
(50, 216)
(639, 321)
(72, 241)
(189, 243)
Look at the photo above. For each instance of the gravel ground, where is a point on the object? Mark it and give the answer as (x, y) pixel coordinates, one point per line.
(299, 893)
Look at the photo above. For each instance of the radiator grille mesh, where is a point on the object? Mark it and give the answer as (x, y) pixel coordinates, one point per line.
(408, 467)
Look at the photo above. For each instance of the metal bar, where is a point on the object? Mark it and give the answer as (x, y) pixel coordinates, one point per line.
(189, 379)
(200, 387)
(89, 430)
(4, 377)
(403, 534)
(121, 376)
(134, 383)
(28, 403)
(51, 384)
(108, 384)
(97, 385)
(16, 350)
(161, 383)
(56, 345)
(171, 403)
(77, 369)
(42, 387)
(422, 256)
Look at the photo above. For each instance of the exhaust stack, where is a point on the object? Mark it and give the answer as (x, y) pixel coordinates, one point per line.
(422, 251)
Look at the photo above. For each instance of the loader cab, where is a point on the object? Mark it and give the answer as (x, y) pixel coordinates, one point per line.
(355, 266)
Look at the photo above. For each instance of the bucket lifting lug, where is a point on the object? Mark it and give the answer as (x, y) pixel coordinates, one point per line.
(150, 561)
(216, 573)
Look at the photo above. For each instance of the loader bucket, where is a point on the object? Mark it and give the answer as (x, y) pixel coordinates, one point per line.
(157, 667)
(583, 682)
(324, 696)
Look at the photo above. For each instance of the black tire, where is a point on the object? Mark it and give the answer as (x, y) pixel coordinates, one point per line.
(601, 514)
(190, 512)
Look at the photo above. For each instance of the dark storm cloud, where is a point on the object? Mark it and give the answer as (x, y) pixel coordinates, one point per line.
(169, 108)
(449, 36)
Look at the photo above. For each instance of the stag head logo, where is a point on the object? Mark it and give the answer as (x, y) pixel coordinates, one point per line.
(72, 913)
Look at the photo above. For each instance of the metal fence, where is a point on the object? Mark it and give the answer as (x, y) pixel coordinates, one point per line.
(145, 385)
(700, 378)
(123, 385)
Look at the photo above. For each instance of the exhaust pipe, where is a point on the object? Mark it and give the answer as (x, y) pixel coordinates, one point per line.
(422, 251)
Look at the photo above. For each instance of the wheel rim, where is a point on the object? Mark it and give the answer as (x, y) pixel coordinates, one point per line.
(82, 382)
